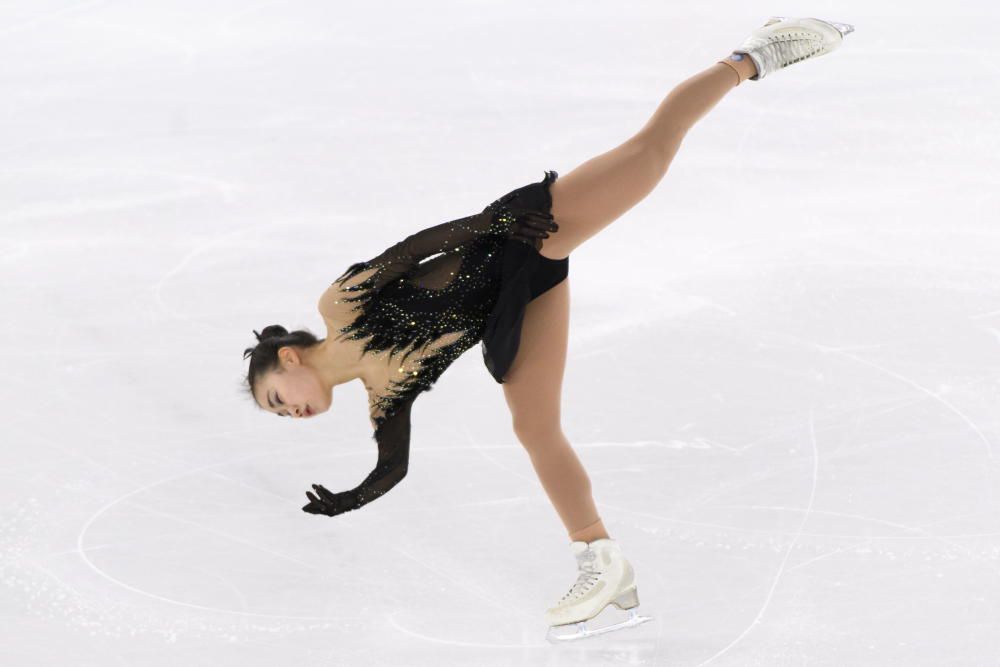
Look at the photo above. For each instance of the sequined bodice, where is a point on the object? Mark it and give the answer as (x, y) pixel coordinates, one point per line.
(422, 315)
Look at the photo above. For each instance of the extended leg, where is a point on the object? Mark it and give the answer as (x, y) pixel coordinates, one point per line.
(599, 191)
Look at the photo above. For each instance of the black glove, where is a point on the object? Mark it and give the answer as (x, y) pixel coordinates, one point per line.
(329, 503)
(530, 226)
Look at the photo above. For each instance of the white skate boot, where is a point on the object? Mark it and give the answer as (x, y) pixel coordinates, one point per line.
(783, 41)
(605, 578)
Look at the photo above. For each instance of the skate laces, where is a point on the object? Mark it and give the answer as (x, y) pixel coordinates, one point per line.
(785, 49)
(588, 575)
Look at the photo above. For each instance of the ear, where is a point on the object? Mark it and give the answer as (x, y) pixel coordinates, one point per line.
(288, 355)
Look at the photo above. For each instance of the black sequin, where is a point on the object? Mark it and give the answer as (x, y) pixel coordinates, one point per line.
(475, 289)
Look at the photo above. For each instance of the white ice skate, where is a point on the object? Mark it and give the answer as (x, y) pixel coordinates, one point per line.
(783, 41)
(606, 578)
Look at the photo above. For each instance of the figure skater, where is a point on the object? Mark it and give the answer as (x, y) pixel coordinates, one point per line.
(500, 277)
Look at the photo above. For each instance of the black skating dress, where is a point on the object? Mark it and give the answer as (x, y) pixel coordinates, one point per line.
(427, 311)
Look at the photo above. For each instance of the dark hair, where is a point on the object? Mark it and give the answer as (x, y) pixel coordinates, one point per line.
(264, 355)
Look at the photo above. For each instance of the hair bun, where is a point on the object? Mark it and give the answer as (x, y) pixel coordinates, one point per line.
(273, 331)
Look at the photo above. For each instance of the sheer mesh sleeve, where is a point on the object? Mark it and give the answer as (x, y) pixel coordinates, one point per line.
(393, 437)
(402, 259)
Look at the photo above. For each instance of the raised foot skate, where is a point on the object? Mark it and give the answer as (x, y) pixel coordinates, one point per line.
(784, 41)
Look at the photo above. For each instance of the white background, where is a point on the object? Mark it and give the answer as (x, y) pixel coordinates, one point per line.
(783, 363)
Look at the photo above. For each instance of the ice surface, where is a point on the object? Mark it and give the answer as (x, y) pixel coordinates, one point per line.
(789, 417)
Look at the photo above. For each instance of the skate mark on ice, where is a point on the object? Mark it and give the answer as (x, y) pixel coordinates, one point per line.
(867, 540)
(913, 383)
(902, 378)
(391, 618)
(82, 550)
(788, 551)
(481, 450)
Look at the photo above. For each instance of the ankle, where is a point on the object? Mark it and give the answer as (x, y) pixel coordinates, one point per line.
(594, 531)
(742, 65)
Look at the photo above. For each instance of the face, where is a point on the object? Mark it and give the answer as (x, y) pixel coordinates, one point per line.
(296, 391)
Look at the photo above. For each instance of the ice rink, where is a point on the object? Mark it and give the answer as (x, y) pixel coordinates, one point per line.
(784, 364)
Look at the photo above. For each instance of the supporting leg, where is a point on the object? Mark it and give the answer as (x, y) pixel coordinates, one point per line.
(533, 390)
(566, 483)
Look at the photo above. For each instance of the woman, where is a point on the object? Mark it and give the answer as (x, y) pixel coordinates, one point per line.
(500, 278)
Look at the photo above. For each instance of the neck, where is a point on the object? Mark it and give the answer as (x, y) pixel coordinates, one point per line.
(338, 361)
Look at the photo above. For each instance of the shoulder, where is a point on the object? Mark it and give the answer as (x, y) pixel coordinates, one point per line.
(333, 303)
(333, 306)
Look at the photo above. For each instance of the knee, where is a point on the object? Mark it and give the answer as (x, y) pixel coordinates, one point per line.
(534, 434)
(657, 146)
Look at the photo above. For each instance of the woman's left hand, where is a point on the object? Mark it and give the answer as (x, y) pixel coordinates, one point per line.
(530, 226)
(328, 503)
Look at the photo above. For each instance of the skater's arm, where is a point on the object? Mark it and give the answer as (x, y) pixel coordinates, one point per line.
(392, 435)
(402, 258)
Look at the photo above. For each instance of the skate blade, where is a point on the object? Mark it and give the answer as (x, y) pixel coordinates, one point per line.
(581, 631)
(843, 28)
